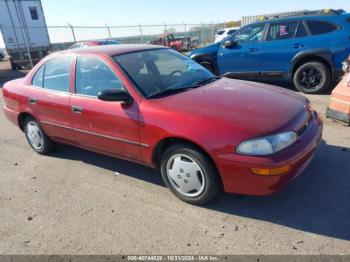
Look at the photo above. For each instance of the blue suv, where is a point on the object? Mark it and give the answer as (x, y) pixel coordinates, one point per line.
(307, 49)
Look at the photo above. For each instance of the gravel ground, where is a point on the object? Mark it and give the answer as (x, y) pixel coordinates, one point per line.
(78, 202)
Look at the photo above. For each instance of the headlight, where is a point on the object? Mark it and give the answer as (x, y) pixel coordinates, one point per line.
(267, 145)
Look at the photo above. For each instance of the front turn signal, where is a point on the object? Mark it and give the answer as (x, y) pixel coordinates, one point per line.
(270, 171)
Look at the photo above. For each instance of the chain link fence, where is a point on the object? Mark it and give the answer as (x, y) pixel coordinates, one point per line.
(27, 52)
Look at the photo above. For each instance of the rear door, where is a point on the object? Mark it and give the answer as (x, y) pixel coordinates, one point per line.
(241, 59)
(284, 40)
(110, 127)
(49, 97)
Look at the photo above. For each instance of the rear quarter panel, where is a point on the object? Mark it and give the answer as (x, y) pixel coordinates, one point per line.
(15, 98)
(338, 42)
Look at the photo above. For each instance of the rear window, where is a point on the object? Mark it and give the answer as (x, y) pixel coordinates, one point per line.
(321, 27)
(38, 79)
(280, 31)
(221, 32)
(57, 73)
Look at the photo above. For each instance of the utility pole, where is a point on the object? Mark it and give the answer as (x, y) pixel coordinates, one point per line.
(73, 34)
(109, 31)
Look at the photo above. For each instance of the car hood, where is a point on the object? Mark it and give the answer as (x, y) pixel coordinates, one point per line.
(210, 49)
(255, 109)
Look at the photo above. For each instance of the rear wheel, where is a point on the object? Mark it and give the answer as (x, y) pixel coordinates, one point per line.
(312, 78)
(189, 174)
(36, 137)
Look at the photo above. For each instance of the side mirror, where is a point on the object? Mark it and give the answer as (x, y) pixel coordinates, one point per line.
(229, 43)
(115, 95)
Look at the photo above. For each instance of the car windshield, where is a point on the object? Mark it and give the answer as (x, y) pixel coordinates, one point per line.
(163, 72)
(251, 33)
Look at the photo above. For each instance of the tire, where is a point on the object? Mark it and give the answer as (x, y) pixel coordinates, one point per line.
(208, 65)
(312, 78)
(1, 57)
(182, 167)
(36, 137)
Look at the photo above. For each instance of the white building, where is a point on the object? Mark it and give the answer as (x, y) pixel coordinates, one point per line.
(23, 28)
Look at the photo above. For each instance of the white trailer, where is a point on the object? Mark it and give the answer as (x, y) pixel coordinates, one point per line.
(23, 27)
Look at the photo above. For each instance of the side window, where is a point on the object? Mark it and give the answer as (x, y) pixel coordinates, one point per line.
(281, 31)
(94, 76)
(38, 79)
(252, 33)
(230, 32)
(57, 73)
(301, 31)
(321, 27)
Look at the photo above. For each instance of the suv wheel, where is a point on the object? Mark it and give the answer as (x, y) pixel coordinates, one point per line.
(312, 78)
(36, 137)
(189, 174)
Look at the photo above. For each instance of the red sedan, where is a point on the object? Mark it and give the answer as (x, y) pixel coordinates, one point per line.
(154, 106)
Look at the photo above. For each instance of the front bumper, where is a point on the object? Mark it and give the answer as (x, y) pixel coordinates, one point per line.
(235, 170)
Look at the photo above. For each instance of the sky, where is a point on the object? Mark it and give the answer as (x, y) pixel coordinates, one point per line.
(127, 12)
(148, 12)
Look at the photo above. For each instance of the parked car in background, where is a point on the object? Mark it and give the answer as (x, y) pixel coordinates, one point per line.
(156, 107)
(339, 106)
(178, 43)
(224, 33)
(307, 49)
(2, 54)
(94, 43)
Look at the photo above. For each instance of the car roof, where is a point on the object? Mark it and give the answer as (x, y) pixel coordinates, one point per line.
(112, 50)
(301, 17)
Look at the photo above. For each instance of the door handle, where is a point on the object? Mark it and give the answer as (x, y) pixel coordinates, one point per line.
(77, 109)
(252, 50)
(298, 45)
(32, 101)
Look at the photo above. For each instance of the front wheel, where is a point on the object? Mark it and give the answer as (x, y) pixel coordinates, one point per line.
(189, 174)
(208, 65)
(312, 78)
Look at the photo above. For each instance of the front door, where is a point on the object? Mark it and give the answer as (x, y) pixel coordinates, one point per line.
(110, 127)
(242, 57)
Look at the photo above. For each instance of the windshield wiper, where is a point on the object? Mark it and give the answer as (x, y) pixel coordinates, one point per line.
(168, 91)
(173, 90)
(205, 81)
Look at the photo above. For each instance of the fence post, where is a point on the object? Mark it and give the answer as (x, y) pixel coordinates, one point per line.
(185, 28)
(109, 31)
(141, 33)
(165, 32)
(72, 29)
